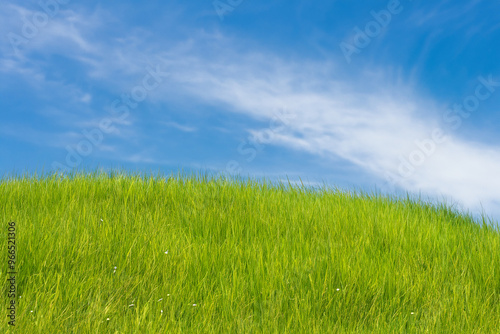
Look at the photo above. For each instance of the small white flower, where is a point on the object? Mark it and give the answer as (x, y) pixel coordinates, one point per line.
(168, 294)
(115, 268)
(194, 305)
(160, 299)
(412, 313)
(107, 319)
(102, 220)
(338, 289)
(31, 311)
(161, 311)
(166, 252)
(131, 305)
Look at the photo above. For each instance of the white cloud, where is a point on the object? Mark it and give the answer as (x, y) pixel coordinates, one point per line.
(178, 126)
(86, 98)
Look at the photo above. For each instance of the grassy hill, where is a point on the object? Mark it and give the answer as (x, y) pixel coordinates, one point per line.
(130, 254)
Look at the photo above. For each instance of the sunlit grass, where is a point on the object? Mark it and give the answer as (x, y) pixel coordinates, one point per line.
(101, 253)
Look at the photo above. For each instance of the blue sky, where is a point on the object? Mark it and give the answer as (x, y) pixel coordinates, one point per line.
(400, 96)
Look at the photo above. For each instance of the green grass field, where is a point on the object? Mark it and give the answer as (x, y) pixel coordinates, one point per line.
(102, 253)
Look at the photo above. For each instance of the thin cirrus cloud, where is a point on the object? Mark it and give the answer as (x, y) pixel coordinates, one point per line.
(180, 127)
(370, 119)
